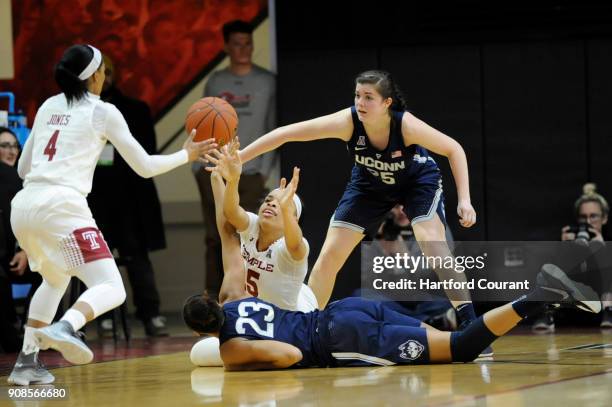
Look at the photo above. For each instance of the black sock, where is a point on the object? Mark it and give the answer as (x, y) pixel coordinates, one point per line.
(535, 302)
(466, 345)
(466, 312)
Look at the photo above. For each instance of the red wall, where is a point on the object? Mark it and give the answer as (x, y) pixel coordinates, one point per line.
(158, 47)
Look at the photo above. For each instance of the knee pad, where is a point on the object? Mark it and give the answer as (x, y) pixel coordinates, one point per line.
(206, 352)
(466, 345)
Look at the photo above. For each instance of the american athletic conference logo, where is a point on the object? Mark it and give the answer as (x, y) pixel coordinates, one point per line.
(411, 350)
(92, 237)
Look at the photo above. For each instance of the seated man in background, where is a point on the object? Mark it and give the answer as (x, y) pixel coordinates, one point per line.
(131, 224)
(591, 211)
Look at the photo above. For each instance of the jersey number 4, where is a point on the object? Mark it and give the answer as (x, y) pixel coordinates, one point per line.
(245, 320)
(50, 149)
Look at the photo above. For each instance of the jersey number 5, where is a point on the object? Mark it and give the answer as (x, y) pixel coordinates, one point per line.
(244, 320)
(50, 149)
(251, 282)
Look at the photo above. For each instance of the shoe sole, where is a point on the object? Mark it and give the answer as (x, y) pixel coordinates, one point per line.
(73, 352)
(579, 292)
(17, 381)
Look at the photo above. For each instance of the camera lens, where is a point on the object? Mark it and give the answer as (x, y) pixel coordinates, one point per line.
(583, 232)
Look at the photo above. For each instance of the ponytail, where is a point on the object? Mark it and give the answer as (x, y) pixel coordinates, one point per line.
(75, 60)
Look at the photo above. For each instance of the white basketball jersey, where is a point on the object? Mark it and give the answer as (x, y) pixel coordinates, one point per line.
(272, 275)
(66, 145)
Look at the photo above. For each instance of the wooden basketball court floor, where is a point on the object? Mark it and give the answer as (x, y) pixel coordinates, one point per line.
(569, 368)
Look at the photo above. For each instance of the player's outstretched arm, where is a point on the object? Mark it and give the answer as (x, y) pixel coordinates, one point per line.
(228, 165)
(292, 232)
(241, 354)
(416, 131)
(145, 165)
(337, 125)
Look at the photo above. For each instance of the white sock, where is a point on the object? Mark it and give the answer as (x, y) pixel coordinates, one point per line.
(30, 344)
(74, 318)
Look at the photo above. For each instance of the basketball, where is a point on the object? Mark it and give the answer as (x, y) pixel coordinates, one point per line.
(212, 117)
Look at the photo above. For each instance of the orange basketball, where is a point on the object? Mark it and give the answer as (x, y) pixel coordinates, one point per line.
(212, 117)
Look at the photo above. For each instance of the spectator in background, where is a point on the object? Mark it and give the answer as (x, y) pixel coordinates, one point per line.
(133, 224)
(251, 90)
(13, 260)
(592, 212)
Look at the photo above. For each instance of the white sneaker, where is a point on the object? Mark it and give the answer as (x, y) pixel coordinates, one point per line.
(61, 337)
(29, 370)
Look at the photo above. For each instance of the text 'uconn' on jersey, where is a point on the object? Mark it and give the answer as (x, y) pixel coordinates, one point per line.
(395, 165)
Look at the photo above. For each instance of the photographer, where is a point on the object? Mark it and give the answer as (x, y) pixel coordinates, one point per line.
(395, 235)
(591, 211)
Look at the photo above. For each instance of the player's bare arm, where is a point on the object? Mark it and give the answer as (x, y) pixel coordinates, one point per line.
(416, 131)
(336, 125)
(242, 354)
(228, 165)
(292, 231)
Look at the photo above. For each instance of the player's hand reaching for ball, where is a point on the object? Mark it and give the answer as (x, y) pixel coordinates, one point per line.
(197, 150)
(226, 161)
(467, 214)
(287, 191)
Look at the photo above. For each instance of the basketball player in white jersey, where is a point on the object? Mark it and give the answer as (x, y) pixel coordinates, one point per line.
(50, 216)
(272, 245)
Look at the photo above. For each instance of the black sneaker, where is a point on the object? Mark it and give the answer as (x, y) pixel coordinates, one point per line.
(606, 319)
(545, 323)
(29, 370)
(155, 327)
(568, 292)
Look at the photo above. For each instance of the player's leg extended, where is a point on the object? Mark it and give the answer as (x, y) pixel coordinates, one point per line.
(28, 369)
(339, 244)
(432, 239)
(105, 291)
(553, 286)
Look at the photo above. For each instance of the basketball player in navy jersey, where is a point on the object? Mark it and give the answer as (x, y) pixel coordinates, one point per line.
(255, 334)
(392, 166)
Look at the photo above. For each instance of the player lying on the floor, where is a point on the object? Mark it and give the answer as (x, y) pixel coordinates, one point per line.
(255, 334)
(274, 250)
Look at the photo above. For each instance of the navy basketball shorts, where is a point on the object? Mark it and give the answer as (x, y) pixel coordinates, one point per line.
(363, 333)
(364, 210)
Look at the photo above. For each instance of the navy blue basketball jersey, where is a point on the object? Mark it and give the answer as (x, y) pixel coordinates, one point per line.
(349, 332)
(253, 319)
(395, 166)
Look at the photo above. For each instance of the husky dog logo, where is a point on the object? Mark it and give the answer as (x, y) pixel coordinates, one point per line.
(411, 350)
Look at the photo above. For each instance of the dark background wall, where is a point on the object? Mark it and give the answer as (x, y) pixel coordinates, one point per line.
(526, 89)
